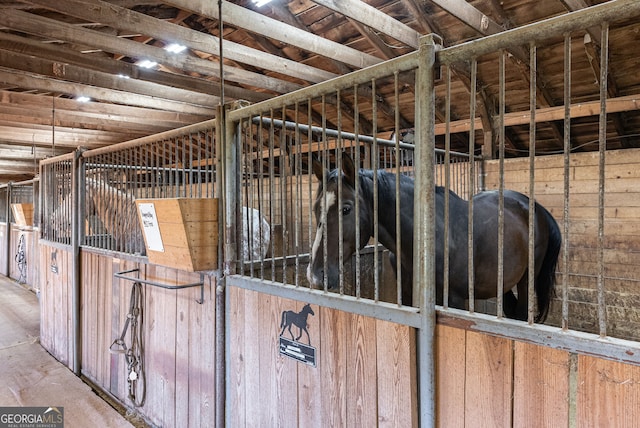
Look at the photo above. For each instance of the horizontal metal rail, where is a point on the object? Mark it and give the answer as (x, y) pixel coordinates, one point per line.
(625, 351)
(122, 275)
(405, 315)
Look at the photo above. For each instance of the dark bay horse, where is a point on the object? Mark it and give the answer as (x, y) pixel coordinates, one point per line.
(485, 238)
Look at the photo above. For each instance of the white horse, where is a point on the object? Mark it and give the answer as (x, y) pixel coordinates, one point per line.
(256, 235)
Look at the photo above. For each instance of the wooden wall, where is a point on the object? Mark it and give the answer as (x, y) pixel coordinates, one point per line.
(178, 340)
(31, 253)
(179, 354)
(365, 373)
(485, 381)
(56, 329)
(621, 230)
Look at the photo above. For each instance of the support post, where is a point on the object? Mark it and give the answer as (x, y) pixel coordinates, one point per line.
(424, 228)
(7, 238)
(77, 191)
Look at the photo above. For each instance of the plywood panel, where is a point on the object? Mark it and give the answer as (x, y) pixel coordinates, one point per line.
(450, 376)
(541, 386)
(488, 381)
(608, 393)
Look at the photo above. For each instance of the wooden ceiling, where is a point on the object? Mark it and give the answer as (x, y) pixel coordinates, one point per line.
(53, 52)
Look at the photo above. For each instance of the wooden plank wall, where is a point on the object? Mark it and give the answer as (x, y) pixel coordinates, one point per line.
(3, 255)
(622, 232)
(31, 254)
(178, 340)
(56, 330)
(487, 381)
(365, 373)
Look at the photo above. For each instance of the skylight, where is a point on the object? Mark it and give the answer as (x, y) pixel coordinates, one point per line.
(83, 99)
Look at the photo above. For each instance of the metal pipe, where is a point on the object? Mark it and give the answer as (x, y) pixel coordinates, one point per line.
(567, 152)
(602, 148)
(76, 290)
(7, 237)
(532, 162)
(501, 143)
(424, 276)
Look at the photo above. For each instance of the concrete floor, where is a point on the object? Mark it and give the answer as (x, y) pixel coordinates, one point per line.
(29, 376)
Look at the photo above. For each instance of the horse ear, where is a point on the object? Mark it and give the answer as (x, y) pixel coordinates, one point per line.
(348, 168)
(317, 168)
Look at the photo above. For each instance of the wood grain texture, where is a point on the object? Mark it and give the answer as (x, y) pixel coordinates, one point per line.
(608, 393)
(397, 387)
(450, 376)
(541, 386)
(488, 381)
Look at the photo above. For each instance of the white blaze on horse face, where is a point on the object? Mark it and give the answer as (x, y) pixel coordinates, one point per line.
(327, 202)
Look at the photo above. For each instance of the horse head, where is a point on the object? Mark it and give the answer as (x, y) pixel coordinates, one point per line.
(335, 204)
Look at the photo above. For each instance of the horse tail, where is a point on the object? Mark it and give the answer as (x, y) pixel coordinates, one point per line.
(545, 283)
(284, 317)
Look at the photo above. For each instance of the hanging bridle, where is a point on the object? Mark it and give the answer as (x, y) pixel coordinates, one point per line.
(134, 352)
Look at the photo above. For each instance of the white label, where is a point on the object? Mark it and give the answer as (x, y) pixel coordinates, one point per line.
(150, 227)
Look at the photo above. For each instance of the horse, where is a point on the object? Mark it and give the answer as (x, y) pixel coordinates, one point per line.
(327, 209)
(299, 319)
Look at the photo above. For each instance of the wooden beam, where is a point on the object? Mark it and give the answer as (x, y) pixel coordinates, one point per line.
(469, 15)
(14, 77)
(372, 17)
(550, 114)
(34, 24)
(72, 73)
(128, 20)
(254, 22)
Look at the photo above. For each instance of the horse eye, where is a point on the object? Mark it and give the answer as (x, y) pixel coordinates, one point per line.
(346, 209)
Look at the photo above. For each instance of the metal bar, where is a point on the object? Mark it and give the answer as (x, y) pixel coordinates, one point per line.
(501, 143)
(404, 315)
(424, 271)
(602, 148)
(375, 162)
(7, 237)
(447, 187)
(151, 139)
(472, 132)
(76, 227)
(396, 101)
(532, 163)
(611, 348)
(566, 193)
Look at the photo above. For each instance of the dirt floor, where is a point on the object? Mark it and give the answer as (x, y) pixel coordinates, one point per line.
(29, 376)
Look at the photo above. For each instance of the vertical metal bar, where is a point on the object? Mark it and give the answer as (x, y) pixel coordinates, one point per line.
(339, 202)
(272, 178)
(374, 162)
(447, 188)
(424, 228)
(325, 162)
(567, 163)
(284, 202)
(7, 238)
(396, 103)
(602, 147)
(77, 188)
(532, 163)
(472, 172)
(356, 130)
(501, 142)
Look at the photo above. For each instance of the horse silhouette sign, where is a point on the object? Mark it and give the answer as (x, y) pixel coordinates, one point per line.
(291, 348)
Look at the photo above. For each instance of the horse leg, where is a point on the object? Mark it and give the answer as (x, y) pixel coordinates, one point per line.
(300, 335)
(518, 308)
(509, 304)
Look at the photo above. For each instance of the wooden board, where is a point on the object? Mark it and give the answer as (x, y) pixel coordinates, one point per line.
(23, 214)
(365, 372)
(608, 393)
(189, 231)
(541, 386)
